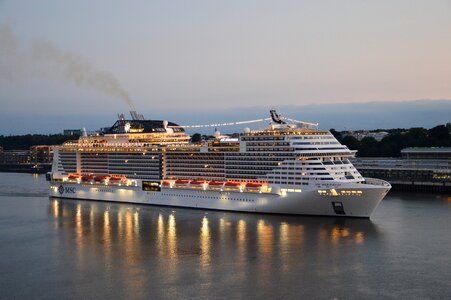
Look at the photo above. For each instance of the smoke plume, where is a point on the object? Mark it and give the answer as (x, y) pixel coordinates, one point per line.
(45, 59)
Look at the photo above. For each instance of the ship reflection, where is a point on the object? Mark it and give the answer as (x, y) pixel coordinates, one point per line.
(175, 244)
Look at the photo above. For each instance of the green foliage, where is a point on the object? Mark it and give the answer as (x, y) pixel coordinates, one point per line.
(336, 134)
(351, 142)
(369, 147)
(398, 139)
(196, 138)
(24, 142)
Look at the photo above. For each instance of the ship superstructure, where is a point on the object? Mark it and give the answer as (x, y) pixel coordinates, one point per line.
(292, 168)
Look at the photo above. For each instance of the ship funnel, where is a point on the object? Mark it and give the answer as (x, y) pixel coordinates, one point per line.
(136, 116)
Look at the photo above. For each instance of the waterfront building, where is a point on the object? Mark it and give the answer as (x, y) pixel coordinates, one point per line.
(38, 159)
(72, 132)
(426, 169)
(16, 157)
(427, 153)
(360, 134)
(41, 154)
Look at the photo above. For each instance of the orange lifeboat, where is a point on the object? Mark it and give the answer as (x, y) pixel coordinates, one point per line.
(253, 185)
(117, 178)
(74, 176)
(216, 183)
(197, 182)
(100, 178)
(233, 184)
(166, 183)
(181, 181)
(87, 178)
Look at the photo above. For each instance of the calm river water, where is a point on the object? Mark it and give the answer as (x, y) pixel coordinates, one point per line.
(68, 249)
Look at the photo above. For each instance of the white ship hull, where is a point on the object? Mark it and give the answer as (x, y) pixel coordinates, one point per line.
(283, 169)
(307, 202)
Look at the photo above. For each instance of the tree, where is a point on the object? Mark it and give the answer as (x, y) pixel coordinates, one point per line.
(23, 142)
(351, 142)
(196, 138)
(369, 147)
(439, 136)
(336, 134)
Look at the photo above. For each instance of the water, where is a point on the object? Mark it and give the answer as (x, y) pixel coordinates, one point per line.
(54, 249)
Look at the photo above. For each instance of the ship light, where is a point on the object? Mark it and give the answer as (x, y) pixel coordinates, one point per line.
(333, 192)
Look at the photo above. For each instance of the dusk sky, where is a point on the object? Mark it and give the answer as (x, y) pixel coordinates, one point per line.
(75, 60)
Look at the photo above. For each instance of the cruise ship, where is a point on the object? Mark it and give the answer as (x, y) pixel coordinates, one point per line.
(291, 167)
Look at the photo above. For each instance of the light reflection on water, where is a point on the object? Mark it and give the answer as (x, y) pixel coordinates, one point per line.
(127, 238)
(204, 244)
(269, 231)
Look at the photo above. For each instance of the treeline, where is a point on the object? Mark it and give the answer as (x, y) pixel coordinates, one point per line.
(24, 142)
(396, 140)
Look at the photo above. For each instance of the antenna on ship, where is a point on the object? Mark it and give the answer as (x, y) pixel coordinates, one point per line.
(83, 132)
(276, 117)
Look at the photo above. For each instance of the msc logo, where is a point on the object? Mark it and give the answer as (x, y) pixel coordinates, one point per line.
(67, 190)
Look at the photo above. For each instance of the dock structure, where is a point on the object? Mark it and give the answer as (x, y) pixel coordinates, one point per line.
(419, 169)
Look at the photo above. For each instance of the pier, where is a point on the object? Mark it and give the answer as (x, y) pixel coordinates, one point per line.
(419, 169)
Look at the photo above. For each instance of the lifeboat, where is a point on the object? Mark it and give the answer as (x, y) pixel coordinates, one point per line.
(100, 178)
(216, 183)
(74, 176)
(231, 185)
(253, 185)
(117, 178)
(87, 178)
(166, 183)
(181, 181)
(197, 182)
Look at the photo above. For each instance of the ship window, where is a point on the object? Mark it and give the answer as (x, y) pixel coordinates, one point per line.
(151, 186)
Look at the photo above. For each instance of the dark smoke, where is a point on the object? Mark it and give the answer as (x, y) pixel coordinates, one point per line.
(46, 59)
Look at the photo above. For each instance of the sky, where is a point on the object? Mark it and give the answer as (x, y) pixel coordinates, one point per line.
(66, 63)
